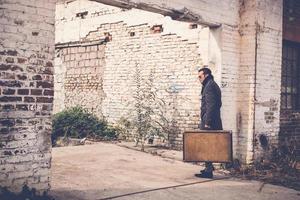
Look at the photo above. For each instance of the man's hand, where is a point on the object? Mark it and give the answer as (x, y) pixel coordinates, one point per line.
(206, 126)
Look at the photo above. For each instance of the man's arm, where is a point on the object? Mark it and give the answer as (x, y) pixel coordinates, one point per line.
(211, 105)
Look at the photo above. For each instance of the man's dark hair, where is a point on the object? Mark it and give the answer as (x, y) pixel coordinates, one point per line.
(205, 70)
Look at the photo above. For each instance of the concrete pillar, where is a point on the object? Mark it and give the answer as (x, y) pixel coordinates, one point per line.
(259, 74)
(26, 93)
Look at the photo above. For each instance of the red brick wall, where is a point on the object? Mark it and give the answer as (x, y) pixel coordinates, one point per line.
(290, 129)
(290, 119)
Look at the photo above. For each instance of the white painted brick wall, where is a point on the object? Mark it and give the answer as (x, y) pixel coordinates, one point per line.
(174, 62)
(260, 72)
(269, 54)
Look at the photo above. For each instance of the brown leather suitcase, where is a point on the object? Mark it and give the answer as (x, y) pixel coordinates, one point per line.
(207, 145)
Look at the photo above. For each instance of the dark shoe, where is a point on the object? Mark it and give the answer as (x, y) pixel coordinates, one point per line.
(204, 174)
(207, 170)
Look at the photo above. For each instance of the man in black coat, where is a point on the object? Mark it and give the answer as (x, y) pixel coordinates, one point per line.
(210, 110)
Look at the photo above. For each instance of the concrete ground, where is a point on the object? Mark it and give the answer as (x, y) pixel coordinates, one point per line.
(109, 171)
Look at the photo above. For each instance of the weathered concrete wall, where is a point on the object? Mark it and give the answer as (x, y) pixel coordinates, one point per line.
(26, 89)
(268, 72)
(207, 12)
(259, 75)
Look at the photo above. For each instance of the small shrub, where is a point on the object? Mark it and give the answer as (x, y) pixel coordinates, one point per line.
(77, 122)
(149, 110)
(278, 166)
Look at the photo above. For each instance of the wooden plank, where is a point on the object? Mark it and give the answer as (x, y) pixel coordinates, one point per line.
(214, 146)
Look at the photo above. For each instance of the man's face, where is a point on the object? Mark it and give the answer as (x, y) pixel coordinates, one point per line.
(201, 76)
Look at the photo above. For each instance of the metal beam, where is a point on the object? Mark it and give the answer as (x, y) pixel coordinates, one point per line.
(182, 14)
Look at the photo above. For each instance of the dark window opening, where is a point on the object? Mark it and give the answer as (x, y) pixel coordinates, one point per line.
(290, 79)
(82, 15)
(156, 29)
(132, 34)
(193, 26)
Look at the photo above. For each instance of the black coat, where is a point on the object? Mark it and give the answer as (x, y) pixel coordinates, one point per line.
(210, 105)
